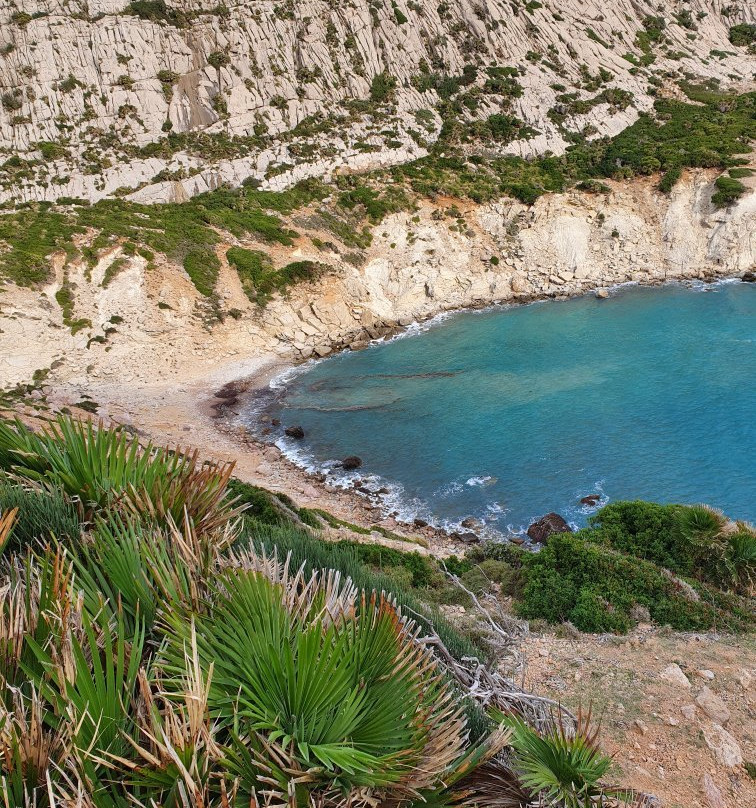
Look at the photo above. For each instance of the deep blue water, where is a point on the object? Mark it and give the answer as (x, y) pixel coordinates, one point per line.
(509, 413)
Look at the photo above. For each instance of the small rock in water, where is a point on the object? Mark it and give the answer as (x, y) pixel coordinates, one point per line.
(591, 500)
(351, 463)
(602, 294)
(294, 432)
(470, 522)
(540, 530)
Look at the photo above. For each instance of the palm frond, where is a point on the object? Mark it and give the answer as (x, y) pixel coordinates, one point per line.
(7, 520)
(562, 767)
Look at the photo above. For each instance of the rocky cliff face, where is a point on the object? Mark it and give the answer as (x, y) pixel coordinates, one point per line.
(160, 100)
(152, 326)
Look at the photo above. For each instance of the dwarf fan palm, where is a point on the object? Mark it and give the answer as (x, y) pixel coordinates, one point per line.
(320, 687)
(107, 468)
(562, 768)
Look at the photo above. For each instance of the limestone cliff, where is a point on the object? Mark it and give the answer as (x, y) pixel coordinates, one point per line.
(161, 100)
(150, 326)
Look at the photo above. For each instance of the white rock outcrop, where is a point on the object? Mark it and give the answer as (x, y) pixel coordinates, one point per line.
(101, 83)
(558, 246)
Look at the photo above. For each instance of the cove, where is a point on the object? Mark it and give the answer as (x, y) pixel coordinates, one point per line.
(508, 413)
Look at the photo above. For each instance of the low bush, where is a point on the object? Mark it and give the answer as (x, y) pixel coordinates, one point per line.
(158, 11)
(729, 190)
(260, 280)
(596, 587)
(743, 34)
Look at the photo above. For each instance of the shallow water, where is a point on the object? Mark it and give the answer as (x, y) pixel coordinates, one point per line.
(508, 413)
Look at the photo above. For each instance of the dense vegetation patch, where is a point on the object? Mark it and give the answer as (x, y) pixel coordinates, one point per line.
(743, 35)
(710, 133)
(260, 280)
(185, 233)
(685, 565)
(154, 646)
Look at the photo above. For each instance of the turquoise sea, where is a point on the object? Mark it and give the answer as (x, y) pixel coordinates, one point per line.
(511, 412)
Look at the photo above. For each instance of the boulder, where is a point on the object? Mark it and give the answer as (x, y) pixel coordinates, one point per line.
(351, 463)
(714, 798)
(471, 523)
(673, 675)
(725, 748)
(547, 525)
(420, 523)
(749, 277)
(294, 432)
(713, 706)
(468, 537)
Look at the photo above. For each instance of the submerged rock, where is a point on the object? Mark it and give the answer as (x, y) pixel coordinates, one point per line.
(351, 463)
(294, 432)
(471, 523)
(544, 527)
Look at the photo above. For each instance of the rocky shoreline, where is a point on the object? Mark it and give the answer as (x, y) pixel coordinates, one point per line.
(239, 394)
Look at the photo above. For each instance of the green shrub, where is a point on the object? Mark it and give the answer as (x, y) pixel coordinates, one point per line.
(728, 191)
(263, 506)
(202, 266)
(157, 11)
(645, 530)
(743, 34)
(669, 179)
(382, 88)
(595, 587)
(260, 280)
(218, 59)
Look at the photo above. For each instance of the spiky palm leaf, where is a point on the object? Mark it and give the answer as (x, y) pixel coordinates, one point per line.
(324, 689)
(30, 751)
(141, 568)
(741, 558)
(700, 523)
(7, 521)
(108, 468)
(561, 767)
(36, 596)
(89, 682)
